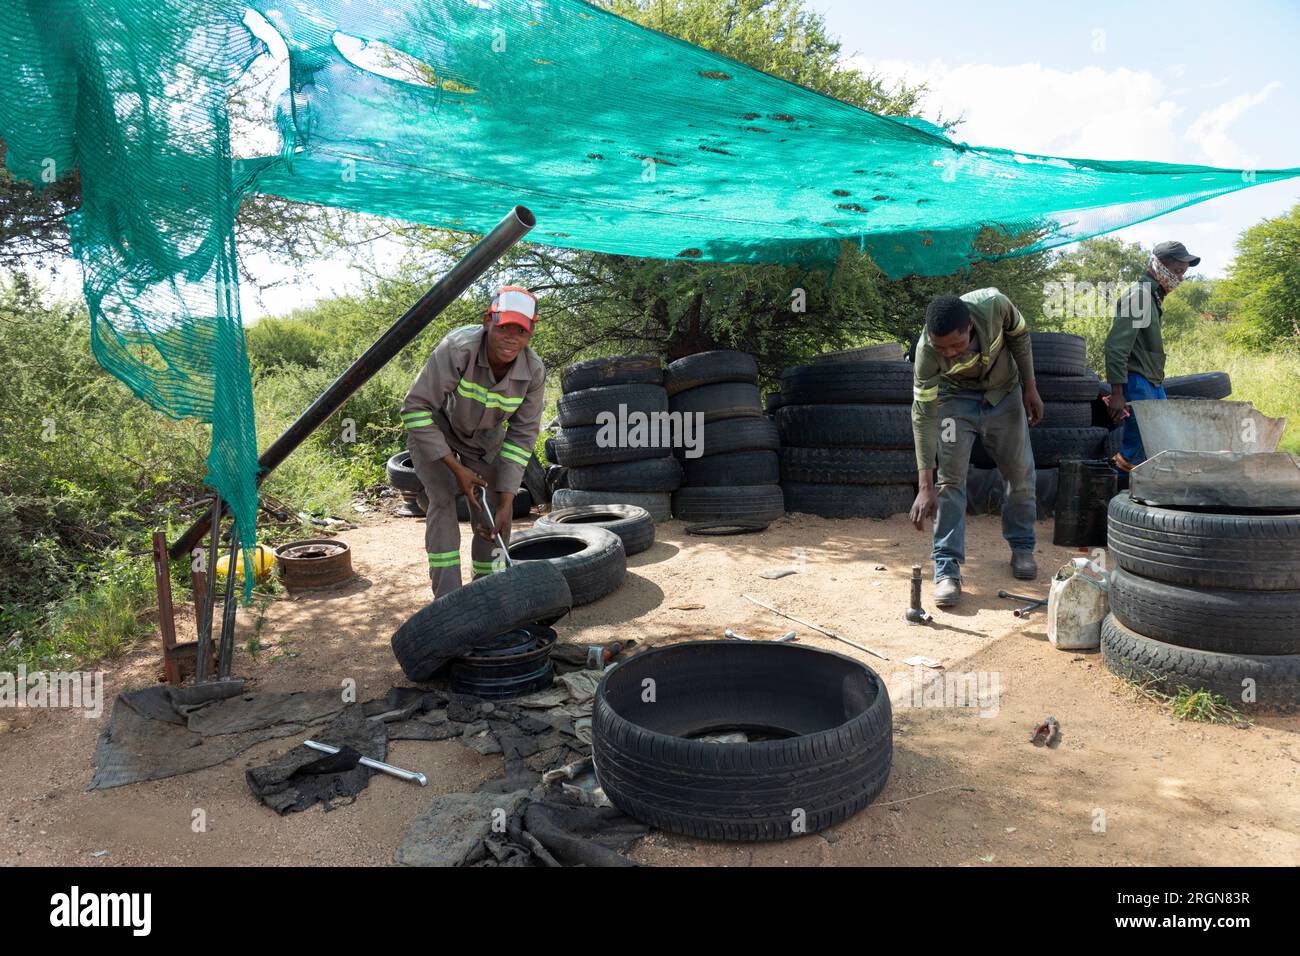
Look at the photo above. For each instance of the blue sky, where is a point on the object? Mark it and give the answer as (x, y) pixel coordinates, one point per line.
(1200, 82)
(1193, 82)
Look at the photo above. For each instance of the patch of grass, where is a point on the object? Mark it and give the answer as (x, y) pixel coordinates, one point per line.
(1199, 705)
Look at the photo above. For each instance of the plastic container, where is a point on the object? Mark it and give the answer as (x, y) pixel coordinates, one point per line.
(1076, 604)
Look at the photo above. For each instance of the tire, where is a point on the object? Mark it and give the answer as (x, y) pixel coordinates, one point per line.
(1239, 552)
(1208, 619)
(986, 491)
(615, 370)
(829, 383)
(708, 368)
(717, 402)
(591, 559)
(729, 503)
(548, 449)
(771, 402)
(582, 408)
(1053, 445)
(525, 594)
(1058, 353)
(634, 526)
(733, 468)
(751, 433)
(523, 505)
(659, 505)
(889, 352)
(1066, 415)
(534, 481)
(1201, 385)
(401, 473)
(846, 426)
(834, 762)
(576, 447)
(557, 477)
(653, 474)
(1275, 678)
(848, 501)
(849, 466)
(1068, 388)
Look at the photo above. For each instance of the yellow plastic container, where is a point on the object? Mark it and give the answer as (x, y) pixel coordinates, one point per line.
(263, 563)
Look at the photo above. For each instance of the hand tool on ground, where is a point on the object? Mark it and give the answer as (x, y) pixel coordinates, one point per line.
(916, 614)
(492, 523)
(819, 630)
(1022, 611)
(785, 638)
(379, 765)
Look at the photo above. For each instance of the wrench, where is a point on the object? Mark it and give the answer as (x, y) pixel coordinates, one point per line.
(492, 523)
(372, 764)
(785, 638)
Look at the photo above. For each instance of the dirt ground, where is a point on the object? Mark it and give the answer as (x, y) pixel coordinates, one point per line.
(1127, 784)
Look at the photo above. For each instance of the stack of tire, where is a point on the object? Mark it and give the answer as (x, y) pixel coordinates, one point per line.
(846, 437)
(1207, 601)
(1069, 429)
(605, 473)
(735, 477)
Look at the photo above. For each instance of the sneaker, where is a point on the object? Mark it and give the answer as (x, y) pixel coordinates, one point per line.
(1023, 565)
(947, 592)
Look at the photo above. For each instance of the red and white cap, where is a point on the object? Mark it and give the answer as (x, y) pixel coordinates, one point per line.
(514, 305)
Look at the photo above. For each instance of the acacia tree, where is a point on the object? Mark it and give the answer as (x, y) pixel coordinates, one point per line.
(1262, 288)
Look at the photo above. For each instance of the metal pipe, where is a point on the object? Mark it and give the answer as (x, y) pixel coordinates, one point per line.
(225, 649)
(204, 648)
(413, 775)
(446, 290)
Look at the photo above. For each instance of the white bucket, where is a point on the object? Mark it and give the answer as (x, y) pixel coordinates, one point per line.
(1076, 604)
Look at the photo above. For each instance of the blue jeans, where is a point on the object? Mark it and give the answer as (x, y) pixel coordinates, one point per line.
(1136, 389)
(1004, 431)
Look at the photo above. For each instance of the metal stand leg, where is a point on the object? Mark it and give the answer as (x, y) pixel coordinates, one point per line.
(205, 619)
(227, 645)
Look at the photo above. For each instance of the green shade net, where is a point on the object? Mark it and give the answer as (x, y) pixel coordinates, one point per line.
(449, 112)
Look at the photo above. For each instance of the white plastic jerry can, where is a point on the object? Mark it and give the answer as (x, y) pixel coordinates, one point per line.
(1076, 604)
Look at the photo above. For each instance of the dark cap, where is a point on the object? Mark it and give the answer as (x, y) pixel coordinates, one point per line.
(1175, 250)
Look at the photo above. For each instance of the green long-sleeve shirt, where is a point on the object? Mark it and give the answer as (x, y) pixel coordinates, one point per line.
(1134, 343)
(1004, 360)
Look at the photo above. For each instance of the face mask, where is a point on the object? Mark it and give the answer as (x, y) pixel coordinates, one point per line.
(1168, 281)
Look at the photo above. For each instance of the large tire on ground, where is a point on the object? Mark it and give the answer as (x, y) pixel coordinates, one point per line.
(659, 504)
(582, 408)
(591, 559)
(615, 370)
(1053, 445)
(846, 426)
(576, 447)
(1208, 619)
(716, 402)
(401, 473)
(827, 383)
(1058, 353)
(1068, 388)
(528, 593)
(830, 717)
(1241, 552)
(633, 525)
(1066, 415)
(729, 503)
(653, 474)
(849, 466)
(733, 468)
(1272, 680)
(1201, 385)
(888, 352)
(751, 433)
(848, 501)
(708, 368)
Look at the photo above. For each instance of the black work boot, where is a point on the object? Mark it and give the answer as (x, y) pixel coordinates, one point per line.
(1023, 565)
(947, 592)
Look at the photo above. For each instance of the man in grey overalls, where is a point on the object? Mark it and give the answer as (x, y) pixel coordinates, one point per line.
(471, 419)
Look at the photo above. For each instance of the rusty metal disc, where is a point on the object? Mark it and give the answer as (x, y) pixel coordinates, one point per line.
(314, 563)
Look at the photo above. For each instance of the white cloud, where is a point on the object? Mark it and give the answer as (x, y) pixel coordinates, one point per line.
(1209, 131)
